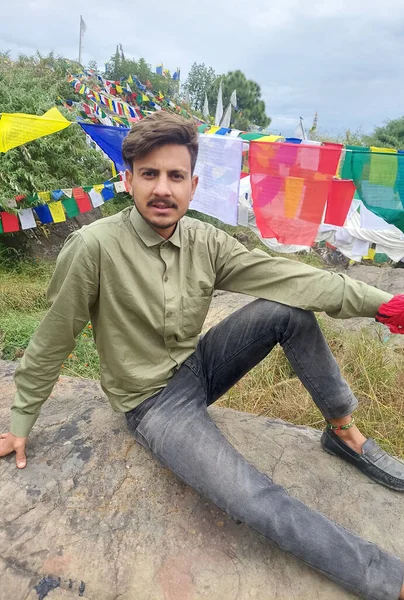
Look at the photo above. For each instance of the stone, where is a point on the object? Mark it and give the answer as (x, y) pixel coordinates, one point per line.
(101, 519)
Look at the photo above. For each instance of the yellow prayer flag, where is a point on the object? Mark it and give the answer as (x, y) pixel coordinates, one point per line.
(119, 89)
(270, 138)
(44, 196)
(17, 129)
(113, 169)
(98, 188)
(110, 105)
(145, 98)
(57, 212)
(212, 130)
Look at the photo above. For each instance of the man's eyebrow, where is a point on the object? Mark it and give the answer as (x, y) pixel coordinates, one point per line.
(182, 171)
(148, 169)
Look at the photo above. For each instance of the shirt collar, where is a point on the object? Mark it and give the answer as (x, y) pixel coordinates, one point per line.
(148, 235)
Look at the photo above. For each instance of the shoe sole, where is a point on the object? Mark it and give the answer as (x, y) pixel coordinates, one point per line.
(353, 462)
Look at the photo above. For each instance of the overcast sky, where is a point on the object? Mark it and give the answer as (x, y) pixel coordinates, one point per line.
(343, 58)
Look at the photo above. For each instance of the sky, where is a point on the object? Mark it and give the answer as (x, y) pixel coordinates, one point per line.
(342, 58)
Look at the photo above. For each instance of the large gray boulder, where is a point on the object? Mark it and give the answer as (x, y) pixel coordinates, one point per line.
(94, 515)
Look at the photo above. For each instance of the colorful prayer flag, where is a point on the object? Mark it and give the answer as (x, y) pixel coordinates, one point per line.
(82, 199)
(9, 222)
(290, 186)
(57, 212)
(18, 129)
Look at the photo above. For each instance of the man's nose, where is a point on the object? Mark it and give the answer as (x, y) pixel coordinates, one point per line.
(162, 187)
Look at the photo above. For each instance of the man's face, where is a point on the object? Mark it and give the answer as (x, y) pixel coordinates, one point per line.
(162, 186)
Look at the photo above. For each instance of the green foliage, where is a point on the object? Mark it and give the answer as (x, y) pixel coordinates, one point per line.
(390, 135)
(200, 79)
(119, 67)
(33, 85)
(251, 108)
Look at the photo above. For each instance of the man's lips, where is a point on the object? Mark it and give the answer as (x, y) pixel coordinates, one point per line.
(161, 206)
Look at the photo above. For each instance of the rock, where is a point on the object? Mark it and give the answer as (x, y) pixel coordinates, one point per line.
(94, 515)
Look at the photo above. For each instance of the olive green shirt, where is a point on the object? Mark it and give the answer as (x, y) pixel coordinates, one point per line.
(147, 299)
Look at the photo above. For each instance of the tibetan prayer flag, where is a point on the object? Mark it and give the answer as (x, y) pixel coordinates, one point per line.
(57, 194)
(71, 208)
(109, 139)
(18, 129)
(43, 213)
(44, 196)
(378, 174)
(339, 202)
(290, 186)
(57, 212)
(27, 219)
(120, 187)
(96, 198)
(108, 191)
(9, 222)
(82, 199)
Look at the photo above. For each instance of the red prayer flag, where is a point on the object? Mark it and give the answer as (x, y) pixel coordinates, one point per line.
(10, 222)
(339, 201)
(290, 186)
(82, 199)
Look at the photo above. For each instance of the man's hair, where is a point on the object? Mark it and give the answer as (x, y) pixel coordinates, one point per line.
(156, 130)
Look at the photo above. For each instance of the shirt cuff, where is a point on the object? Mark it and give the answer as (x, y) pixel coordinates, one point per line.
(373, 299)
(21, 424)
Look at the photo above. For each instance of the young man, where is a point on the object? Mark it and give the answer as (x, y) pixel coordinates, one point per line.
(145, 278)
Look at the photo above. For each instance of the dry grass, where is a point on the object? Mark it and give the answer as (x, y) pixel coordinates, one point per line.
(374, 371)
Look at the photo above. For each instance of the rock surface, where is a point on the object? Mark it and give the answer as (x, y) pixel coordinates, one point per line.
(95, 516)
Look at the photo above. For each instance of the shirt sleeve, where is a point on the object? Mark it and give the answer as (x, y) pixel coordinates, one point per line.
(293, 283)
(72, 291)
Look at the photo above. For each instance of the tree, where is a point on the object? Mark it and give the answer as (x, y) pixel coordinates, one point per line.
(390, 135)
(33, 85)
(200, 80)
(250, 106)
(120, 67)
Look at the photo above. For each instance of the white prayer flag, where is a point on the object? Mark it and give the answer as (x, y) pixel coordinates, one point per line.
(206, 107)
(120, 187)
(96, 198)
(218, 168)
(219, 106)
(233, 99)
(27, 218)
(68, 192)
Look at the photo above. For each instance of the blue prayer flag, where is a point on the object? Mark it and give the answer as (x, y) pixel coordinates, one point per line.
(109, 139)
(43, 213)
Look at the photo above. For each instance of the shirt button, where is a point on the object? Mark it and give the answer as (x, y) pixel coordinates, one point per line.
(166, 278)
(171, 350)
(169, 314)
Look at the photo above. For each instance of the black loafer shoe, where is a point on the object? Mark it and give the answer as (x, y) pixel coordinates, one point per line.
(373, 462)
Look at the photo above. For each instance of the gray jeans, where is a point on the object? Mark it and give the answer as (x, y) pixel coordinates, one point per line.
(175, 425)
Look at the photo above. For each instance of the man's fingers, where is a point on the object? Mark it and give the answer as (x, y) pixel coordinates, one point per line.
(21, 459)
(3, 436)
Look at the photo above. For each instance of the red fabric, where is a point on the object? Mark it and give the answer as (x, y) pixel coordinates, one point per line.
(290, 186)
(19, 198)
(82, 199)
(10, 222)
(391, 314)
(339, 201)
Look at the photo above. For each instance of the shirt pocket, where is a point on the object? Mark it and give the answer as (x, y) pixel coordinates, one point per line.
(193, 312)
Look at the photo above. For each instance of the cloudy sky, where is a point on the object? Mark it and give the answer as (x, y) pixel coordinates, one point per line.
(343, 58)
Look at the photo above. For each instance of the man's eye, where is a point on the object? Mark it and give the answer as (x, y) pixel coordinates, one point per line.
(178, 176)
(148, 174)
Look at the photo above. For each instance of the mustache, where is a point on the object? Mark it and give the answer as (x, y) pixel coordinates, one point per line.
(167, 203)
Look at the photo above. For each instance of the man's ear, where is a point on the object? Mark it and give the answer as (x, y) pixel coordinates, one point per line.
(195, 181)
(129, 177)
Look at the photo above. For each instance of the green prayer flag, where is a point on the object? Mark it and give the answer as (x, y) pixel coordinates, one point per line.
(1, 227)
(71, 208)
(251, 135)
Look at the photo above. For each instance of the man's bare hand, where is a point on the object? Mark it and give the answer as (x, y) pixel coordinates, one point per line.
(11, 443)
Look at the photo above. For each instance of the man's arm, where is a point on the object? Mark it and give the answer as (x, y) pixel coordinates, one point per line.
(72, 291)
(291, 282)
